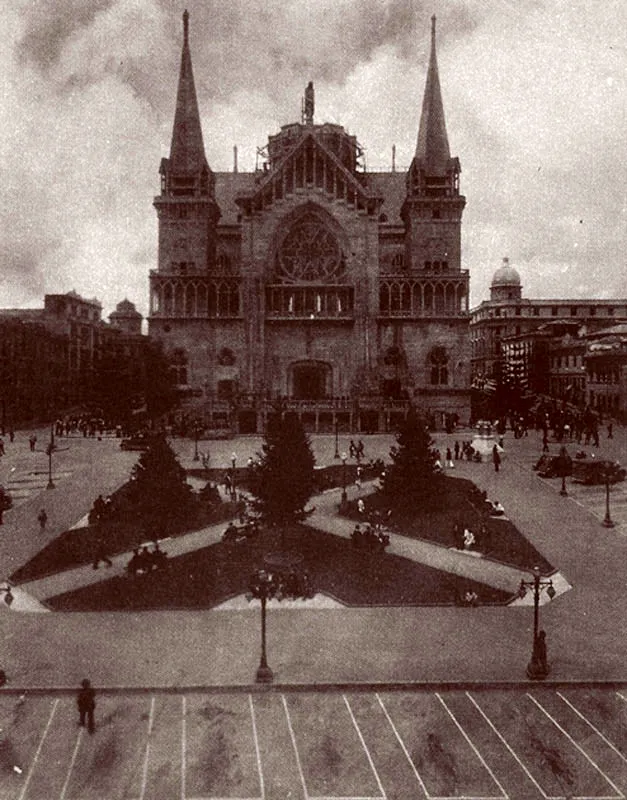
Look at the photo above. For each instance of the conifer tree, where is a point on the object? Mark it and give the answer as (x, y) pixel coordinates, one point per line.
(284, 477)
(160, 493)
(410, 481)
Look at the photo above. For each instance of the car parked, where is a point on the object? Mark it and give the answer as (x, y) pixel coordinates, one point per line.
(596, 471)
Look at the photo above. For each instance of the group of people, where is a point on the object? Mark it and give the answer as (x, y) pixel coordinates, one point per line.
(238, 533)
(144, 560)
(356, 450)
(370, 537)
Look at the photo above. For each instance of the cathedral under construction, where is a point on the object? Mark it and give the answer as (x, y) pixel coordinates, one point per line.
(313, 281)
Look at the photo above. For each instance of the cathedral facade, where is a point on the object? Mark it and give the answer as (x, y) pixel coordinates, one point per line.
(338, 290)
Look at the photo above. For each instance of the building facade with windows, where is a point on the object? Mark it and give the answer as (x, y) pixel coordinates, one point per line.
(606, 370)
(517, 340)
(313, 280)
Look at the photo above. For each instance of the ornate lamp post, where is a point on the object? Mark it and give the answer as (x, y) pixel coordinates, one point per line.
(344, 495)
(262, 587)
(337, 443)
(608, 522)
(537, 669)
(8, 594)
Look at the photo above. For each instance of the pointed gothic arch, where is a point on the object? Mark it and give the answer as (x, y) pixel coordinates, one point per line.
(309, 247)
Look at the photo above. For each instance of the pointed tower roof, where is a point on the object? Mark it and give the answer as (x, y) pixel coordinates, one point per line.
(187, 151)
(432, 148)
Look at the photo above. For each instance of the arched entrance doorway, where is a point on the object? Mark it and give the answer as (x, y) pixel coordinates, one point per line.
(310, 380)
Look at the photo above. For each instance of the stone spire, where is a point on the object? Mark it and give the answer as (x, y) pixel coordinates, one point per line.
(432, 148)
(187, 151)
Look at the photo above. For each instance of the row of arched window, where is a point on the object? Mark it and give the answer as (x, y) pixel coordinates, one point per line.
(204, 298)
(420, 298)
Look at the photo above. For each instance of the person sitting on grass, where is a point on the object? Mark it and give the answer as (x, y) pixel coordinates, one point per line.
(469, 539)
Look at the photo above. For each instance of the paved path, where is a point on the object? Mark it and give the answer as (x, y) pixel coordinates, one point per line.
(586, 626)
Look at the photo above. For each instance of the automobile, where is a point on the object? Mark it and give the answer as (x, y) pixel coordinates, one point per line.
(595, 471)
(139, 442)
(549, 466)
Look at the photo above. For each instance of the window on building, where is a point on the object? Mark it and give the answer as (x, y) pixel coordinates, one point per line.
(438, 363)
(573, 311)
(398, 261)
(436, 213)
(554, 311)
(610, 311)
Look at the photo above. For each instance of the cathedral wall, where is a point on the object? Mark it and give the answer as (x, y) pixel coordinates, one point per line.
(183, 239)
(209, 347)
(294, 343)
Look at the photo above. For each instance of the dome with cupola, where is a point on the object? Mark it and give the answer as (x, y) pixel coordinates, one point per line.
(506, 283)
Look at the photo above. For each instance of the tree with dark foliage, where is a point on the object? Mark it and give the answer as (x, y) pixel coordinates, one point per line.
(410, 481)
(159, 494)
(283, 481)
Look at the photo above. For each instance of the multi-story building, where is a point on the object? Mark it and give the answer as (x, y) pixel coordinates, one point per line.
(512, 336)
(33, 370)
(64, 357)
(606, 368)
(312, 279)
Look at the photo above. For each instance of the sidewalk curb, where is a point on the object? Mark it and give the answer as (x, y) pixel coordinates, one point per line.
(366, 686)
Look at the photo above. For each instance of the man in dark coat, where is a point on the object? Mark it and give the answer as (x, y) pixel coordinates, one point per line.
(86, 701)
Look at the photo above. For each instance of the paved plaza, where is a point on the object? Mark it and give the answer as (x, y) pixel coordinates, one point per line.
(367, 745)
(376, 702)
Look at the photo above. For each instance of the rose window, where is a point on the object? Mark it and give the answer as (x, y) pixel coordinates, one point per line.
(310, 252)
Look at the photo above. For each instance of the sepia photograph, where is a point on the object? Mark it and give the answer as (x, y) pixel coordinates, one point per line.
(313, 400)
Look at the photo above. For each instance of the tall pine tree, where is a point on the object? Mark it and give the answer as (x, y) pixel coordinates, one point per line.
(284, 478)
(160, 495)
(410, 480)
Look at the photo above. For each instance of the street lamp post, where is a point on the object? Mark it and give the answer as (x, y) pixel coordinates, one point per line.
(337, 442)
(50, 448)
(608, 522)
(233, 462)
(262, 587)
(344, 495)
(196, 435)
(565, 468)
(537, 669)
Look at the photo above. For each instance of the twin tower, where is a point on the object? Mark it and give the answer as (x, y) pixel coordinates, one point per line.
(338, 290)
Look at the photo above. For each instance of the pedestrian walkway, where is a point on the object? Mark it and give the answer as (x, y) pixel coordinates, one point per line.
(326, 518)
(585, 626)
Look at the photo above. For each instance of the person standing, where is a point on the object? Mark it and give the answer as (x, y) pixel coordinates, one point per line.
(86, 702)
(43, 519)
(496, 458)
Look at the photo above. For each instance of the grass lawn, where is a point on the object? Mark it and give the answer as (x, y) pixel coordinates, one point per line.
(460, 503)
(207, 577)
(79, 546)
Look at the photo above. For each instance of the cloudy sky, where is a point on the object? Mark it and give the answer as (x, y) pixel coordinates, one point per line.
(534, 93)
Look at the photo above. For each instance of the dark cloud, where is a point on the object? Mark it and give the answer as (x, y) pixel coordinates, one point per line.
(50, 24)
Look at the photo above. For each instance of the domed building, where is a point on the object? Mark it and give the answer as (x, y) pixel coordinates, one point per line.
(515, 342)
(505, 283)
(337, 290)
(126, 318)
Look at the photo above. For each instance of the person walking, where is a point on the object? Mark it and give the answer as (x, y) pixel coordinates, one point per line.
(496, 458)
(43, 519)
(32, 441)
(86, 702)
